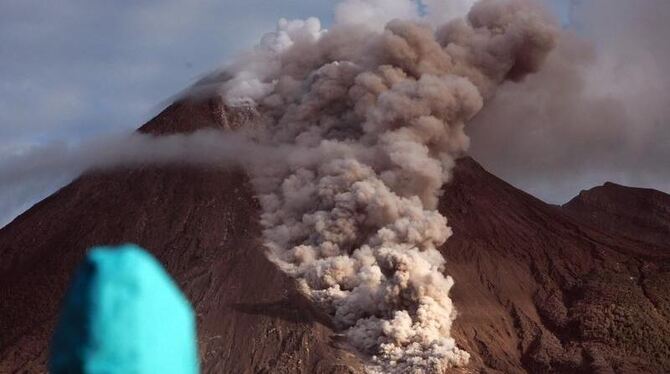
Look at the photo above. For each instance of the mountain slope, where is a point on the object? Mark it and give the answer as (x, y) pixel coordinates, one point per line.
(203, 226)
(538, 288)
(638, 213)
(540, 291)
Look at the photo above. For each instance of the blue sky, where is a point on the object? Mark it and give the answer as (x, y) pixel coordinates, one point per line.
(72, 68)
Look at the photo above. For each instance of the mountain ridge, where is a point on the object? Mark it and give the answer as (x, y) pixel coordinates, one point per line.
(644, 208)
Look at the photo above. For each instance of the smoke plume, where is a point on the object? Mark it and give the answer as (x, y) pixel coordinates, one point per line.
(374, 118)
(597, 111)
(25, 173)
(358, 129)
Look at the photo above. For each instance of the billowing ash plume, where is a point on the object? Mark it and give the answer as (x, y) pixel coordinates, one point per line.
(375, 119)
(597, 111)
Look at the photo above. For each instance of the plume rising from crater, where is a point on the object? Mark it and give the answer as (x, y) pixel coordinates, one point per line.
(373, 120)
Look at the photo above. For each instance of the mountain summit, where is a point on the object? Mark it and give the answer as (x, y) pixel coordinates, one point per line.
(583, 288)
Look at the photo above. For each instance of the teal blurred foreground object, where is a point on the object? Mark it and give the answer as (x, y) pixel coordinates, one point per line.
(124, 314)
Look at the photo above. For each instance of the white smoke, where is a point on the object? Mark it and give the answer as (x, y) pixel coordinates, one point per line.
(374, 14)
(206, 147)
(253, 71)
(34, 170)
(374, 118)
(249, 78)
(439, 12)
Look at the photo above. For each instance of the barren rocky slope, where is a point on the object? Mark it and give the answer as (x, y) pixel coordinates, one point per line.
(539, 288)
(541, 291)
(640, 214)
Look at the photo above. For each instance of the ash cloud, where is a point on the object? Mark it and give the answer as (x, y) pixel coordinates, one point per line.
(376, 116)
(596, 112)
(33, 171)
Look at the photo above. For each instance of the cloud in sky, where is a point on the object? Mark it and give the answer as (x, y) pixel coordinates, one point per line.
(75, 69)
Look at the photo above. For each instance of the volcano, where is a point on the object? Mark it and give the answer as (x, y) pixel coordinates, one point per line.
(539, 288)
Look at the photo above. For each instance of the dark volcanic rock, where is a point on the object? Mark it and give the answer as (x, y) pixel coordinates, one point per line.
(540, 291)
(638, 213)
(187, 116)
(539, 288)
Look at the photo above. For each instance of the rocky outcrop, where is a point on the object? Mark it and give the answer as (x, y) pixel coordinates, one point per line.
(640, 214)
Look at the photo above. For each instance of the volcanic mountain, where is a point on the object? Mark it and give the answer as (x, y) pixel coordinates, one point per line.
(582, 288)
